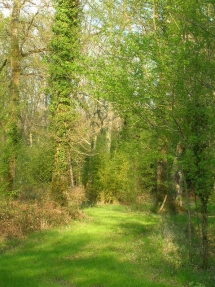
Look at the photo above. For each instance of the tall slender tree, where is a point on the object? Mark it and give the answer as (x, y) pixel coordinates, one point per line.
(65, 47)
(14, 127)
(22, 76)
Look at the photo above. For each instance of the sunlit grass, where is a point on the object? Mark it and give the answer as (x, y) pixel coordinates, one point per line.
(111, 247)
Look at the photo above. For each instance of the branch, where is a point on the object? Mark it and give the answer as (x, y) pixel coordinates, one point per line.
(29, 27)
(162, 205)
(180, 129)
(34, 52)
(3, 65)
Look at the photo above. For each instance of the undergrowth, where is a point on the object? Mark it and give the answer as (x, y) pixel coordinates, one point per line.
(21, 216)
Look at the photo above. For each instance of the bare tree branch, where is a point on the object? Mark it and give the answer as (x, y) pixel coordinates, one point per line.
(34, 52)
(3, 65)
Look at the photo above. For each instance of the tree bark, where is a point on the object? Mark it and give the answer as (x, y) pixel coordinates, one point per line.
(204, 213)
(13, 130)
(161, 191)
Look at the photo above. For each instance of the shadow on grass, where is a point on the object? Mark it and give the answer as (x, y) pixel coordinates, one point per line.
(112, 249)
(41, 258)
(60, 265)
(64, 265)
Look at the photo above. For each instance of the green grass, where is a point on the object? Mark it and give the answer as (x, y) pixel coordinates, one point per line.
(111, 247)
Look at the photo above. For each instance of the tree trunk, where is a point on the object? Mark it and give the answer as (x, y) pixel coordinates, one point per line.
(161, 192)
(190, 235)
(72, 183)
(109, 128)
(204, 213)
(63, 83)
(61, 175)
(13, 129)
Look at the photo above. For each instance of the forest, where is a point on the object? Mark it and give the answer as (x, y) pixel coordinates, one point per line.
(109, 103)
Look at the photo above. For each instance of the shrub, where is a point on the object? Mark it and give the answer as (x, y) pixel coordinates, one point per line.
(76, 198)
(18, 218)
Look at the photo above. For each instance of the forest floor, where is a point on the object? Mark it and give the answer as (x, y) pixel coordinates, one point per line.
(112, 246)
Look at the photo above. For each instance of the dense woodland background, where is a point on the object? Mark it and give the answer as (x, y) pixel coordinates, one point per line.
(107, 101)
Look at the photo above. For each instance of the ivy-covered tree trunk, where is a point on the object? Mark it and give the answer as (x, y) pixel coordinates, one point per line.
(63, 84)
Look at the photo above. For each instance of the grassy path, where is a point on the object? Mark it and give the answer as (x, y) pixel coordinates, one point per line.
(111, 247)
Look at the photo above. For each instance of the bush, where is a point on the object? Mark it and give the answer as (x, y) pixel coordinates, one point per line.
(17, 218)
(76, 198)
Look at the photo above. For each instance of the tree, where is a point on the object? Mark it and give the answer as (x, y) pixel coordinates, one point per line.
(184, 61)
(63, 87)
(14, 128)
(24, 109)
(159, 67)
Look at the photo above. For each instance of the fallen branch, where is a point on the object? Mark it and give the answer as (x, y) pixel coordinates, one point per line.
(162, 205)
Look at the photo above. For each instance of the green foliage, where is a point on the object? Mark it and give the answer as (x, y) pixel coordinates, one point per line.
(111, 181)
(34, 165)
(124, 173)
(196, 284)
(34, 169)
(158, 70)
(3, 170)
(91, 177)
